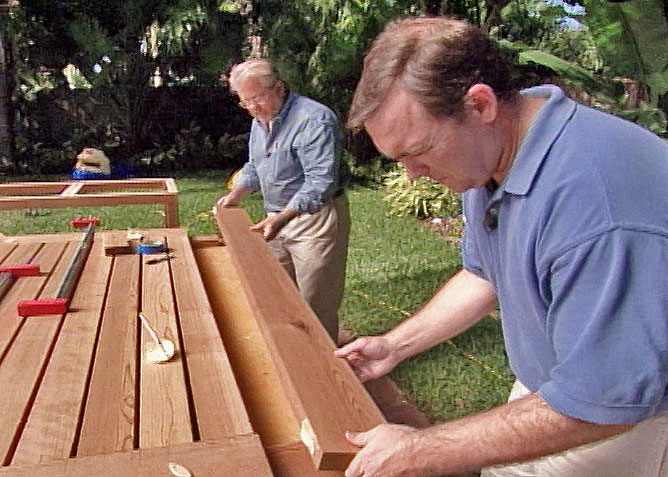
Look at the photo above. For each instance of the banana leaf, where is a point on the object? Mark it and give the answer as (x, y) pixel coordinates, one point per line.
(632, 39)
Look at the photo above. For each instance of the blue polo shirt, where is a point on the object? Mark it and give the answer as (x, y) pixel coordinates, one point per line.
(575, 243)
(297, 165)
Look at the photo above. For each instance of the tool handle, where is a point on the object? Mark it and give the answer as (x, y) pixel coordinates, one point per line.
(56, 306)
(150, 330)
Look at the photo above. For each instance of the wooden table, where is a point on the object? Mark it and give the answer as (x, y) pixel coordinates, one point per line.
(26, 195)
(78, 395)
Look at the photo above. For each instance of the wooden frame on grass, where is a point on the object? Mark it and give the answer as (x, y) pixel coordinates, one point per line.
(35, 195)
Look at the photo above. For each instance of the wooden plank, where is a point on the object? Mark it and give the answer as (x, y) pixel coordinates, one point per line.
(300, 348)
(25, 288)
(109, 419)
(241, 456)
(21, 369)
(31, 188)
(51, 428)
(103, 199)
(73, 189)
(218, 405)
(164, 414)
(270, 412)
(171, 211)
(94, 186)
(293, 460)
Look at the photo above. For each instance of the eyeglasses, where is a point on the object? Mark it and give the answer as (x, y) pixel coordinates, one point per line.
(259, 98)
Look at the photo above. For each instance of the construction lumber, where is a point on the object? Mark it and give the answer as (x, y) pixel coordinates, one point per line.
(27, 354)
(218, 404)
(52, 426)
(270, 411)
(24, 195)
(80, 395)
(324, 393)
(241, 456)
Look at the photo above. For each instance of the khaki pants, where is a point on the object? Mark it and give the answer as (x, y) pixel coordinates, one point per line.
(313, 249)
(640, 452)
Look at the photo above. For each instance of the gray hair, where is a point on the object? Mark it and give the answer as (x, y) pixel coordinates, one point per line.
(255, 68)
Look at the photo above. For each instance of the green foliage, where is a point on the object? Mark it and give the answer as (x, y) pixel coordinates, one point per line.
(192, 149)
(369, 173)
(632, 38)
(420, 197)
(318, 46)
(653, 119)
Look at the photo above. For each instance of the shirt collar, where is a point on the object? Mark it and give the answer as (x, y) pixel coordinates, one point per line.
(546, 127)
(285, 109)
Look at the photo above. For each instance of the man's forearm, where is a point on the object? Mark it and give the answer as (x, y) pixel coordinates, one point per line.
(458, 305)
(521, 430)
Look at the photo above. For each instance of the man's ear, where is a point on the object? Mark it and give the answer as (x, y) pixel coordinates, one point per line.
(481, 101)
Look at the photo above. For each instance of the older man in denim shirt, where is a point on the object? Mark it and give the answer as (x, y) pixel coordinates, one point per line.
(295, 161)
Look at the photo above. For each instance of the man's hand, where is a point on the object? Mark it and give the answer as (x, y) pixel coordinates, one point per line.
(270, 226)
(370, 357)
(228, 200)
(389, 450)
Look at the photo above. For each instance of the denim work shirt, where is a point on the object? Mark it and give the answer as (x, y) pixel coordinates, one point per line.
(297, 164)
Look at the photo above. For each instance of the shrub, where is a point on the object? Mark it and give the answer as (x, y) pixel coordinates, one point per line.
(370, 173)
(422, 198)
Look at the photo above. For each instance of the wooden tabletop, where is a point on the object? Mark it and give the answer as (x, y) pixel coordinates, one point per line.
(79, 396)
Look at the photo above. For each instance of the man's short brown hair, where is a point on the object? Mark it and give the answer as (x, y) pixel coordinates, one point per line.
(437, 59)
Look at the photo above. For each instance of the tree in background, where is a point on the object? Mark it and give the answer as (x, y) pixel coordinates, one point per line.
(114, 75)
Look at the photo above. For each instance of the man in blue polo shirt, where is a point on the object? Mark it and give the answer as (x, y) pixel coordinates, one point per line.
(566, 231)
(295, 161)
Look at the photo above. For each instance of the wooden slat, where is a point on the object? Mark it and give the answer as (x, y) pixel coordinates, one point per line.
(109, 418)
(28, 352)
(73, 189)
(52, 425)
(23, 195)
(270, 412)
(300, 347)
(22, 289)
(240, 456)
(164, 414)
(31, 188)
(218, 405)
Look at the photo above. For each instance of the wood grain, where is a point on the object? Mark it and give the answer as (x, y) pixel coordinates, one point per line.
(218, 405)
(164, 417)
(109, 420)
(22, 368)
(22, 289)
(24, 195)
(241, 456)
(300, 348)
(52, 424)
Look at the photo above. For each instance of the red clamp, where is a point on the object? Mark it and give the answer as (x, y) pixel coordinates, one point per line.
(83, 222)
(24, 270)
(55, 306)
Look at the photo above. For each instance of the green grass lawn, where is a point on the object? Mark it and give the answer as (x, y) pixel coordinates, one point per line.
(394, 265)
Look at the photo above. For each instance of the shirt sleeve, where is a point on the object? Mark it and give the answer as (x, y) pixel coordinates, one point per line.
(608, 320)
(320, 157)
(249, 178)
(469, 250)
